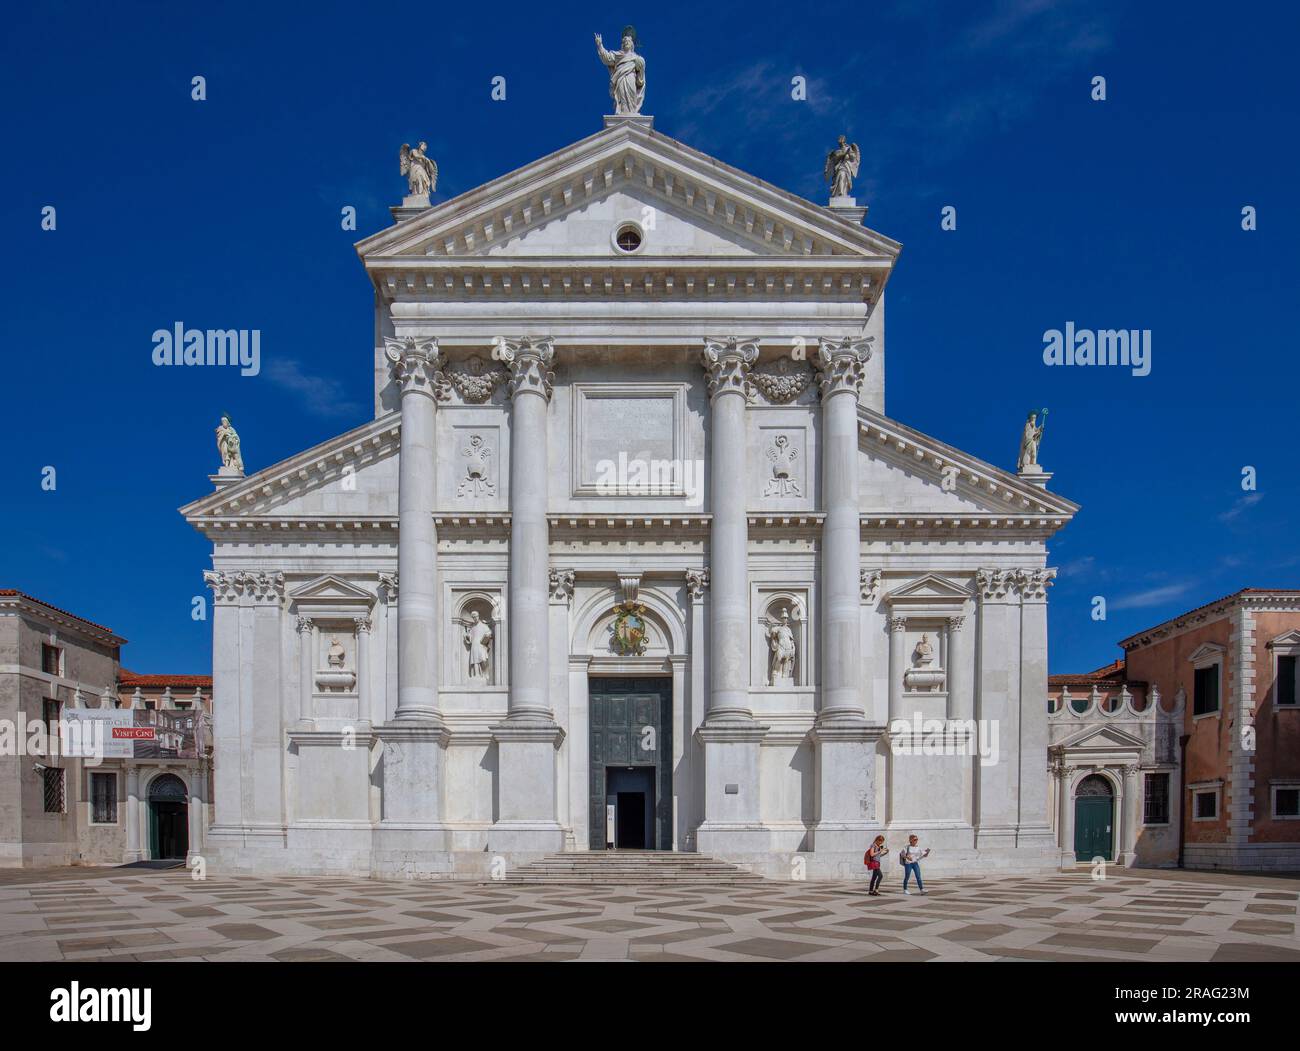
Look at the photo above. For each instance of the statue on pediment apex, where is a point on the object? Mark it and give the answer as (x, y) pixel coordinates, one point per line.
(232, 462)
(842, 167)
(420, 171)
(626, 73)
(1030, 438)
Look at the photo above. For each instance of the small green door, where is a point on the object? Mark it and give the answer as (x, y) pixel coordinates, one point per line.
(1094, 818)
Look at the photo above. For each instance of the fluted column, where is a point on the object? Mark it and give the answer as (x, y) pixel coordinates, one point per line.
(961, 705)
(305, 670)
(528, 804)
(1032, 820)
(416, 365)
(840, 372)
(727, 363)
(733, 823)
(897, 665)
(528, 596)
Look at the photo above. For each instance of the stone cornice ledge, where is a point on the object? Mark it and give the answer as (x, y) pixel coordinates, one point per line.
(543, 731)
(412, 731)
(847, 729)
(738, 732)
(330, 738)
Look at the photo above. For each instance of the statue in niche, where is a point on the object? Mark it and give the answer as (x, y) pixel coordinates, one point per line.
(842, 167)
(478, 641)
(783, 455)
(337, 656)
(477, 477)
(1029, 440)
(228, 447)
(626, 73)
(781, 643)
(420, 171)
(924, 654)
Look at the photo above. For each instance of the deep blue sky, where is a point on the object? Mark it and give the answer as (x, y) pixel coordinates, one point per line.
(225, 213)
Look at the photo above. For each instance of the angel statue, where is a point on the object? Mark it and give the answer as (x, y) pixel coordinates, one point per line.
(1029, 439)
(842, 167)
(420, 171)
(780, 640)
(478, 641)
(783, 455)
(626, 73)
(228, 447)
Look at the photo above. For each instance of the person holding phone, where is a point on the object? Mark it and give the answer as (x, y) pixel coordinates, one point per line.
(911, 858)
(875, 852)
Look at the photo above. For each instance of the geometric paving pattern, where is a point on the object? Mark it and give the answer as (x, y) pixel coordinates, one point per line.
(87, 914)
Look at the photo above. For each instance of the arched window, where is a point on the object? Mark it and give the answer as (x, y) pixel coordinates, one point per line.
(167, 789)
(1094, 785)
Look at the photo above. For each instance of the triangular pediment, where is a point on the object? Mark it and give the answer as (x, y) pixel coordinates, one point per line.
(636, 167)
(329, 588)
(1287, 638)
(907, 475)
(1102, 738)
(1206, 653)
(929, 590)
(349, 481)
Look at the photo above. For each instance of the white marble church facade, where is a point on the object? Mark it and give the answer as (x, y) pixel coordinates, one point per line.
(628, 379)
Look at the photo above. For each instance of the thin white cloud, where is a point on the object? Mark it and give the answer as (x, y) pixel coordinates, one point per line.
(319, 394)
(1243, 504)
(1153, 596)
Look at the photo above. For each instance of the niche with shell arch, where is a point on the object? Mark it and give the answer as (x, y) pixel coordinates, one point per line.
(478, 640)
(780, 643)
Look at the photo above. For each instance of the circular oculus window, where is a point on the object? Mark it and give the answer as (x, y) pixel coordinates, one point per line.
(628, 237)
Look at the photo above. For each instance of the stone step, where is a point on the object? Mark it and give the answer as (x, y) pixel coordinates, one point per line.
(591, 868)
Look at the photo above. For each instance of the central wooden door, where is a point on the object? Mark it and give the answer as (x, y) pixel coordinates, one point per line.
(631, 737)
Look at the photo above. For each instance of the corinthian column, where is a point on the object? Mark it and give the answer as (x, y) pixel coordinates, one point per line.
(527, 795)
(733, 824)
(845, 742)
(727, 363)
(528, 597)
(416, 365)
(840, 371)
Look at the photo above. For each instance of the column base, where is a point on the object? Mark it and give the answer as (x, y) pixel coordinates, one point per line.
(731, 786)
(845, 744)
(527, 784)
(412, 773)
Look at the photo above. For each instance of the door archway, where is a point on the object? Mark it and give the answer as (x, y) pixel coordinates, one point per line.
(1094, 819)
(169, 818)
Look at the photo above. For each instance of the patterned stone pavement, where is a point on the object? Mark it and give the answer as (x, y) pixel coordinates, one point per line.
(80, 914)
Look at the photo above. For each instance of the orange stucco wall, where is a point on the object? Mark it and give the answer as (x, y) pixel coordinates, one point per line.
(1209, 752)
(1277, 733)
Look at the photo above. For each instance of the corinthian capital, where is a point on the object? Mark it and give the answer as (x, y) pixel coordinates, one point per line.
(1034, 583)
(727, 362)
(417, 364)
(840, 364)
(529, 361)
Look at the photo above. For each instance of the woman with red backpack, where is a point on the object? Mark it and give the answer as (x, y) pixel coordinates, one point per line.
(871, 859)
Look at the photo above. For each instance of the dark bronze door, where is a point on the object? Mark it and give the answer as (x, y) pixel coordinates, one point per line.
(631, 732)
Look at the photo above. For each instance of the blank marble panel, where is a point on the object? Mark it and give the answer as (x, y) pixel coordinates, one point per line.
(637, 428)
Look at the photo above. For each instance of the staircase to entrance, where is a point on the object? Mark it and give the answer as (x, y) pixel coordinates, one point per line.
(631, 868)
